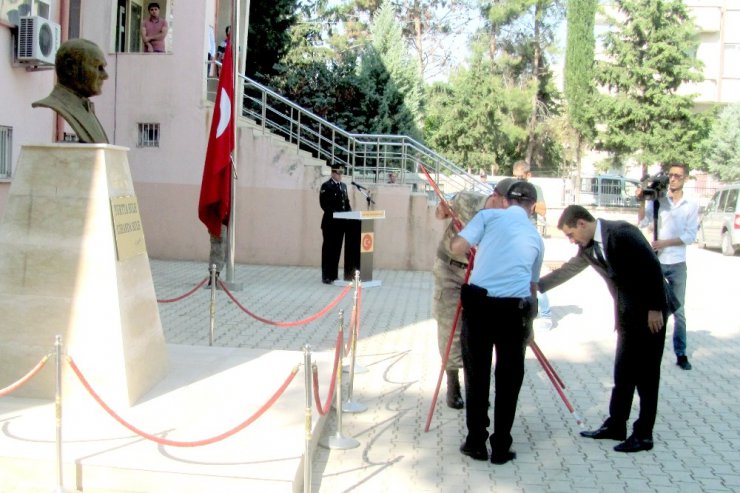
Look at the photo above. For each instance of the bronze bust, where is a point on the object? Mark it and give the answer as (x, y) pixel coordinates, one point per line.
(80, 68)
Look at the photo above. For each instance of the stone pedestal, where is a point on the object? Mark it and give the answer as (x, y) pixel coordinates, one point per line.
(65, 269)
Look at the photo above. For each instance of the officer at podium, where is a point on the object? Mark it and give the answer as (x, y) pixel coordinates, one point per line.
(333, 198)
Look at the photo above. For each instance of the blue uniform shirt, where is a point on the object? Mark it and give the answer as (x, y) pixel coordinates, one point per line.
(510, 252)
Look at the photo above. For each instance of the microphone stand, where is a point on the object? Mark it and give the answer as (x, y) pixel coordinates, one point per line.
(364, 191)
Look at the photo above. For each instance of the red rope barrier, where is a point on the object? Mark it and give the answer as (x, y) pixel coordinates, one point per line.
(287, 324)
(196, 288)
(325, 409)
(23, 380)
(177, 443)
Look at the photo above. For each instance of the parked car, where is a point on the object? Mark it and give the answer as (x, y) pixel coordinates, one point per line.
(719, 226)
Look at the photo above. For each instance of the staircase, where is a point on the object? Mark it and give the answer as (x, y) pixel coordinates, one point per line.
(368, 158)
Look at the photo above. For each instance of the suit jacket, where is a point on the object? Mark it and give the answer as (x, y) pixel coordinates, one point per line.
(333, 198)
(633, 274)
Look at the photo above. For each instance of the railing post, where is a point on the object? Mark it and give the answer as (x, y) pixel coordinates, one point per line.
(264, 111)
(307, 455)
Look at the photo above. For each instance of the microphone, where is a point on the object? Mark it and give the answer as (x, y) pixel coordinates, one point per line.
(359, 187)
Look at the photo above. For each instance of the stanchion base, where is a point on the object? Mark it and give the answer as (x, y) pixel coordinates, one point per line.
(358, 369)
(59, 489)
(233, 285)
(372, 284)
(353, 407)
(340, 443)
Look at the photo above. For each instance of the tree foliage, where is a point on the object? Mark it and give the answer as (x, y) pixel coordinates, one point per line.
(647, 59)
(268, 39)
(721, 150)
(579, 86)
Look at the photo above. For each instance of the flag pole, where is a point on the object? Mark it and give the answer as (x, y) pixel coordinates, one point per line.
(236, 108)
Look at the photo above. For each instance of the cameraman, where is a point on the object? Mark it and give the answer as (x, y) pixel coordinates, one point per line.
(678, 222)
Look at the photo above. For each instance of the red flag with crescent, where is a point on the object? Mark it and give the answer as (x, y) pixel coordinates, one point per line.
(215, 191)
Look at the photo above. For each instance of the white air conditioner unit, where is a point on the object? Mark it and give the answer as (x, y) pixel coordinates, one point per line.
(38, 40)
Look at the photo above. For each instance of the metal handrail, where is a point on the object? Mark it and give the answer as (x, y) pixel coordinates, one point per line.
(369, 158)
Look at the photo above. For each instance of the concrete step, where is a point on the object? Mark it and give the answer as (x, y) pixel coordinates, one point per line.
(207, 391)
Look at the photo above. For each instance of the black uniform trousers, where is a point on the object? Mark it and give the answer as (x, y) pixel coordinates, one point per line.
(334, 233)
(503, 323)
(637, 366)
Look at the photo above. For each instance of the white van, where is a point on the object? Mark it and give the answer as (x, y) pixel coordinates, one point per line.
(720, 223)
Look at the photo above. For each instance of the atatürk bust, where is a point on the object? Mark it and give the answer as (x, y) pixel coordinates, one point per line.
(80, 69)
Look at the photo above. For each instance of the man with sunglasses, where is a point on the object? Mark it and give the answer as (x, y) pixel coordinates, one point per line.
(678, 222)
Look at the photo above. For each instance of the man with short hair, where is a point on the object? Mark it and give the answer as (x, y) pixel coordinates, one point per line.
(449, 274)
(333, 198)
(621, 255)
(678, 222)
(154, 30)
(498, 305)
(522, 171)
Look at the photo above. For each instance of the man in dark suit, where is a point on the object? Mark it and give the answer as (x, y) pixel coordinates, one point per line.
(620, 253)
(333, 198)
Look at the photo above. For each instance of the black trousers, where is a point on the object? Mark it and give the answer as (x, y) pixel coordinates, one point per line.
(334, 233)
(637, 367)
(503, 323)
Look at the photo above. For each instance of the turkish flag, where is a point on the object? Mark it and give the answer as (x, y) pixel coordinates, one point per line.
(215, 189)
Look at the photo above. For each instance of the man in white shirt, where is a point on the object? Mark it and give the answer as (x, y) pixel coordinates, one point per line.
(678, 222)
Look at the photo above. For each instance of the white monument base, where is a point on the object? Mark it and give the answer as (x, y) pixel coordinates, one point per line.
(66, 269)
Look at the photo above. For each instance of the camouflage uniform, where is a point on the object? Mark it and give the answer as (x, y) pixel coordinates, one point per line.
(449, 274)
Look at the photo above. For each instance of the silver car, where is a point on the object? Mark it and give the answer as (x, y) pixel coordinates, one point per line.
(720, 223)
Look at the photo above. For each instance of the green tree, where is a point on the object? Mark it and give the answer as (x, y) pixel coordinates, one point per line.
(268, 39)
(647, 59)
(579, 84)
(476, 120)
(391, 79)
(721, 150)
(519, 34)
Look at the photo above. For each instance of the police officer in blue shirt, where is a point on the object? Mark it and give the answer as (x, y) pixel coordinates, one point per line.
(498, 306)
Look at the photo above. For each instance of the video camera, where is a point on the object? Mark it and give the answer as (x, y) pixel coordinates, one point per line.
(654, 187)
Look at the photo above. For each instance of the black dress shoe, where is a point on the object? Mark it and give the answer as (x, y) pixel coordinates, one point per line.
(327, 281)
(606, 432)
(479, 452)
(683, 362)
(503, 458)
(634, 444)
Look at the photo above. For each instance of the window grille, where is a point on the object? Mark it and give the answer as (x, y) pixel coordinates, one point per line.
(148, 135)
(6, 151)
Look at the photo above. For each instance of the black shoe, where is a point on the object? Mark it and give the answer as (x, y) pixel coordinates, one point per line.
(683, 362)
(606, 432)
(634, 444)
(454, 397)
(327, 281)
(479, 452)
(503, 458)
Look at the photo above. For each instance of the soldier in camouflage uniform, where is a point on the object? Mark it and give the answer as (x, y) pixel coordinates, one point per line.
(449, 274)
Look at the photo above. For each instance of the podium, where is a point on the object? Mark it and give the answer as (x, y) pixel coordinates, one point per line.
(361, 237)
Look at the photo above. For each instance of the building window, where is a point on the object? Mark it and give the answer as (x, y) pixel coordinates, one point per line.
(12, 10)
(148, 135)
(6, 151)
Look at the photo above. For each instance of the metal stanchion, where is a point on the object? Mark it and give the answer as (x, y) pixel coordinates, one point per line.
(214, 281)
(349, 406)
(58, 410)
(307, 456)
(338, 441)
(354, 333)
